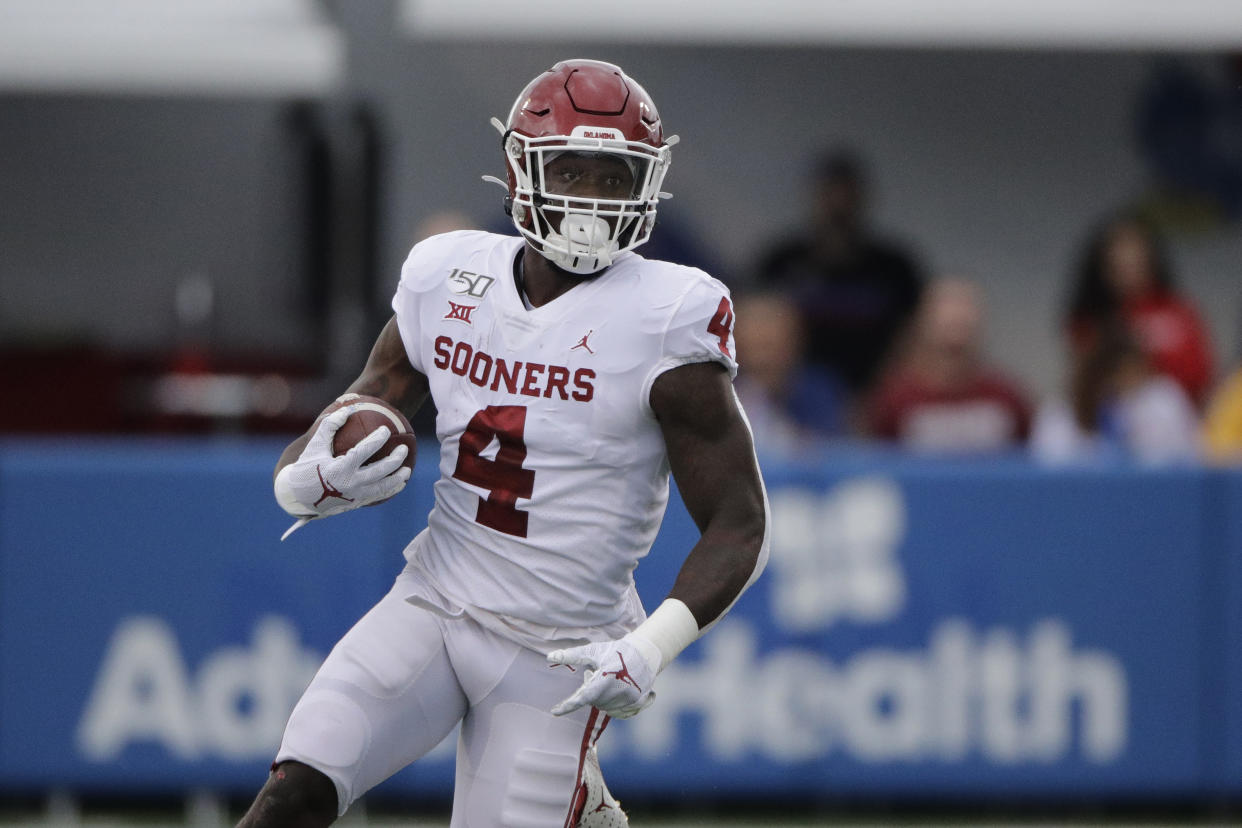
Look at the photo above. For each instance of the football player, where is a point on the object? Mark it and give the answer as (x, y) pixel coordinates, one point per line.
(570, 375)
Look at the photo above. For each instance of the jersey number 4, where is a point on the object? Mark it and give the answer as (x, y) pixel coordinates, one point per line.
(722, 325)
(503, 477)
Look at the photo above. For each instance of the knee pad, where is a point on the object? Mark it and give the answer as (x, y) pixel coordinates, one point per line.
(537, 793)
(329, 732)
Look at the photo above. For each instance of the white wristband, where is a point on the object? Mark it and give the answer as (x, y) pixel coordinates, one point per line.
(672, 628)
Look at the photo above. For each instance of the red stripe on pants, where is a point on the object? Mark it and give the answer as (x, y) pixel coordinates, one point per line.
(578, 801)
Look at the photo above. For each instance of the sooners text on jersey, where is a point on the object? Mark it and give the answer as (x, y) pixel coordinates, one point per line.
(553, 473)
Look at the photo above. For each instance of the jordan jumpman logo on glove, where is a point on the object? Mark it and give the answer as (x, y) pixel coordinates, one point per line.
(619, 675)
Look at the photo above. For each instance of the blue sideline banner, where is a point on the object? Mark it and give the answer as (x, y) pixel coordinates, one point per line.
(982, 631)
(922, 629)
(153, 631)
(1225, 587)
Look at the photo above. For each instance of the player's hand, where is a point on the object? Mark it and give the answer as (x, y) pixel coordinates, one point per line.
(618, 678)
(318, 484)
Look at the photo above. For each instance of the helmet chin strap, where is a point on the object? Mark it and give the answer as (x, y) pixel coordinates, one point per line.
(585, 245)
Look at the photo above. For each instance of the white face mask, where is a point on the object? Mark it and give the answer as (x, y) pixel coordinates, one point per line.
(584, 235)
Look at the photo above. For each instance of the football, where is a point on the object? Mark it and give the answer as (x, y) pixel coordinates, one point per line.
(371, 414)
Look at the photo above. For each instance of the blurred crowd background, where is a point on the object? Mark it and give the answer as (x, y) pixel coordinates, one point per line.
(969, 237)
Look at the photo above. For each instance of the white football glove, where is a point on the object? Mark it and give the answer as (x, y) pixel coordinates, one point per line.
(619, 674)
(317, 484)
(618, 677)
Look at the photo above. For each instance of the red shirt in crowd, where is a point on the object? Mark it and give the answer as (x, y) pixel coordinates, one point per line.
(1176, 341)
(1172, 335)
(987, 413)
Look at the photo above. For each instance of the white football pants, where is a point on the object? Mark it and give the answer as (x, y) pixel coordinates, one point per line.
(399, 681)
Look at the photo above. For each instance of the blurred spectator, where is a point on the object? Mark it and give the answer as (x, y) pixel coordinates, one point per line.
(444, 221)
(1125, 276)
(856, 292)
(940, 394)
(1118, 408)
(789, 403)
(1222, 428)
(1187, 117)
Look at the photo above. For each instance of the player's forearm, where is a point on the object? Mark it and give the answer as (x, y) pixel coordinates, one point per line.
(725, 561)
(717, 571)
(387, 375)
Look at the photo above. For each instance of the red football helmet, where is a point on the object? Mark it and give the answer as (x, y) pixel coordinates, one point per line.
(590, 107)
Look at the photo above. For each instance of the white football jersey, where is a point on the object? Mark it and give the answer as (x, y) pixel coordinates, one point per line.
(553, 471)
